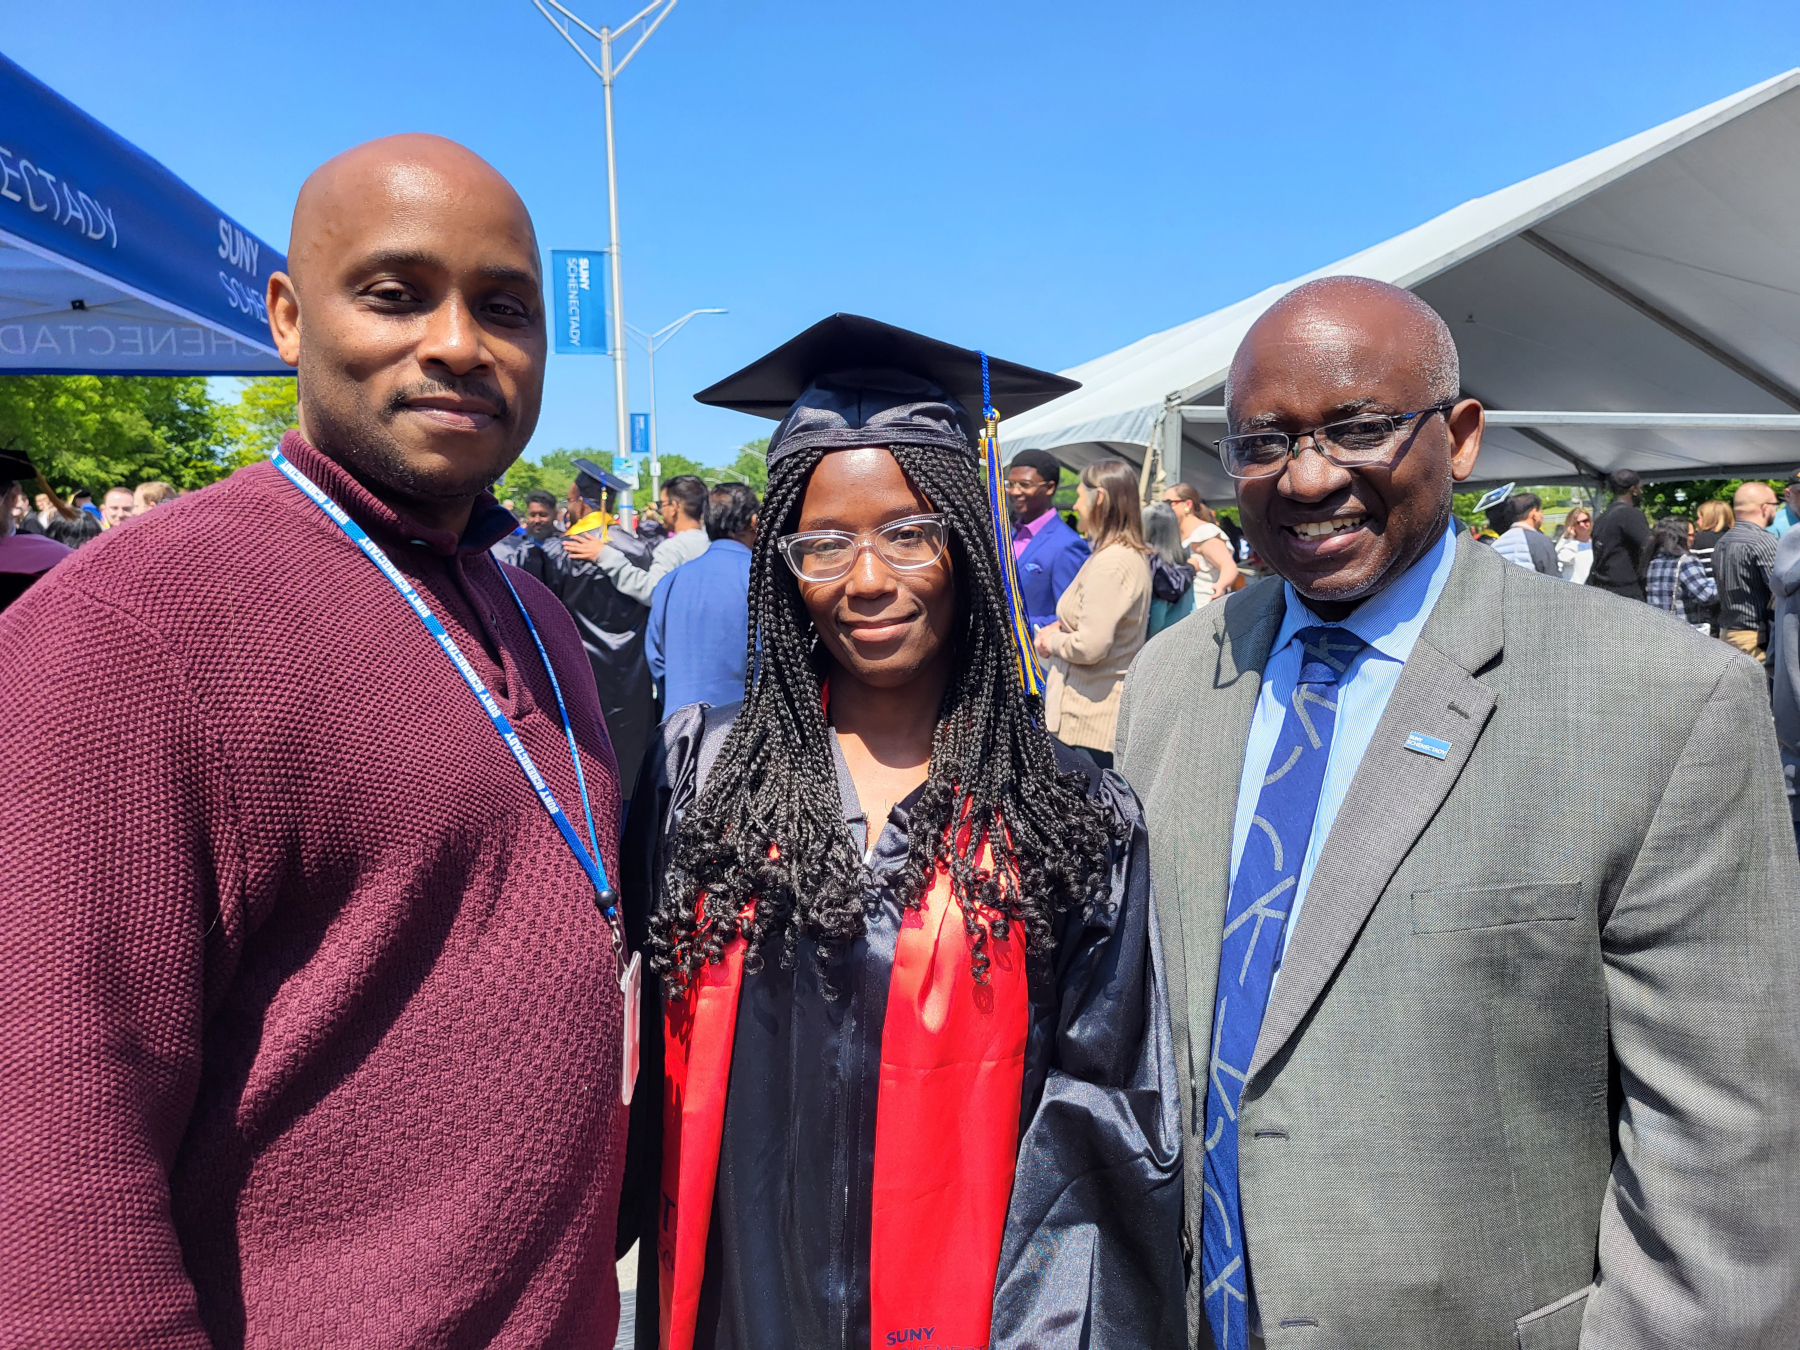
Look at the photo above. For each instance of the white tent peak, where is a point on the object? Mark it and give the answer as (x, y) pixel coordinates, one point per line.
(1124, 394)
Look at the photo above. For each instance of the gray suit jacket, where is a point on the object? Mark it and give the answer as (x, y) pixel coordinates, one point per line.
(1531, 1072)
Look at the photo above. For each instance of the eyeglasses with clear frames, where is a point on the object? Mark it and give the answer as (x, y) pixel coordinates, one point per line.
(906, 545)
(1353, 443)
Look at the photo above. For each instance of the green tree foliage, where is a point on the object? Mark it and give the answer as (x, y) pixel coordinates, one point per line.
(263, 414)
(750, 467)
(1682, 497)
(1462, 506)
(95, 432)
(554, 473)
(673, 466)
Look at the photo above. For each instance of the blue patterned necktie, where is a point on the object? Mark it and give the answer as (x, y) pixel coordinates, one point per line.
(1261, 895)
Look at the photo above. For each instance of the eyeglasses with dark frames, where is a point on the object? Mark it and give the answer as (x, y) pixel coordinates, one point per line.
(1353, 443)
(906, 545)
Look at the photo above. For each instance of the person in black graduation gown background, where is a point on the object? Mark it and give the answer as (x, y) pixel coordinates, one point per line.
(910, 1080)
(611, 623)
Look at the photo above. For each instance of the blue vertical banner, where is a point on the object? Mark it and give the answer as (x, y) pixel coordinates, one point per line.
(640, 435)
(578, 301)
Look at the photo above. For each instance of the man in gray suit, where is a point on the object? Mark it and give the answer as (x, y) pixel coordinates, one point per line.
(1485, 971)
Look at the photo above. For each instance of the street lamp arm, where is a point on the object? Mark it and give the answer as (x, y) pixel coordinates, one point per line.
(569, 13)
(565, 35)
(668, 331)
(654, 25)
(640, 14)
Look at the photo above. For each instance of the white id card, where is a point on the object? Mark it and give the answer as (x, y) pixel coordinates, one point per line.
(631, 984)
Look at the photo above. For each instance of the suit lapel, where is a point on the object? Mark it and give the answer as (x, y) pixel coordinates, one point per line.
(1395, 791)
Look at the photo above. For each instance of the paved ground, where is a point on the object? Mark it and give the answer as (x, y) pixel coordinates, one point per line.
(627, 1301)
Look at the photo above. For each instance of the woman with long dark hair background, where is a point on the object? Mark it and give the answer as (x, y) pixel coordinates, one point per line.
(1674, 578)
(910, 1074)
(1173, 582)
(1104, 616)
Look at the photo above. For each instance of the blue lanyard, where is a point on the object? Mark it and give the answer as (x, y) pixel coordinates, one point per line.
(590, 862)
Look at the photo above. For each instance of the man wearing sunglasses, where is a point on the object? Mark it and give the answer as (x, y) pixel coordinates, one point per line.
(1481, 1053)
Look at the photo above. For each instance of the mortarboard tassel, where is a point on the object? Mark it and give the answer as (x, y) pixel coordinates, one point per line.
(1031, 675)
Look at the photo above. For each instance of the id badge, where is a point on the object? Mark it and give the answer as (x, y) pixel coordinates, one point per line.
(631, 984)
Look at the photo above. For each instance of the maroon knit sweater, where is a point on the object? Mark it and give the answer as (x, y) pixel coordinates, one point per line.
(309, 1027)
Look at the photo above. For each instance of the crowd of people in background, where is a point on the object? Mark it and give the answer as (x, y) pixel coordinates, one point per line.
(1713, 571)
(1722, 572)
(659, 595)
(38, 530)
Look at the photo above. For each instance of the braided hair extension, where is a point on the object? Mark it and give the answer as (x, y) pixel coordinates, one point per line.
(768, 826)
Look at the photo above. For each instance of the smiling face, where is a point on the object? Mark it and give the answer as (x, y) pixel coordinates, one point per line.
(882, 626)
(540, 520)
(414, 311)
(1028, 493)
(116, 506)
(1333, 351)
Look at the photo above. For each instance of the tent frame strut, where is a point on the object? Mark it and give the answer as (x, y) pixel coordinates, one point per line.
(1699, 341)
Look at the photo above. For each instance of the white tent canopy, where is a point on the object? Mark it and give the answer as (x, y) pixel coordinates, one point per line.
(1657, 276)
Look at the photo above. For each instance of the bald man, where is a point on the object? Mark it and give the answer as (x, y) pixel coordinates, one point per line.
(1743, 562)
(1486, 982)
(310, 1021)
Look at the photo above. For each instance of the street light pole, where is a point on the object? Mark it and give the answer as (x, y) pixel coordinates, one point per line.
(608, 72)
(651, 342)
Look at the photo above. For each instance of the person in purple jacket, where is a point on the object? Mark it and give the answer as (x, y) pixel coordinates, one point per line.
(1046, 552)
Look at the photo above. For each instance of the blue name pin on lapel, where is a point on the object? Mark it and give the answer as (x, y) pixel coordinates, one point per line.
(1421, 744)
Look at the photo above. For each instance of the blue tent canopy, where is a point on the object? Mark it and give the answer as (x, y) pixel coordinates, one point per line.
(111, 265)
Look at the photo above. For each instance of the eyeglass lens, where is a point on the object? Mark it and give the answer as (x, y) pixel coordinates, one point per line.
(904, 544)
(1356, 440)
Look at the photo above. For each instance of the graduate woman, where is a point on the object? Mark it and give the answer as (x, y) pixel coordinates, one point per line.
(909, 1081)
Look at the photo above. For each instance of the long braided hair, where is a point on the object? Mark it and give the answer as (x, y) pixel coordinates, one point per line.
(765, 854)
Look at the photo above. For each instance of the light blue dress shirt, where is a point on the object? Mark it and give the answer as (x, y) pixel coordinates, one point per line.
(1389, 622)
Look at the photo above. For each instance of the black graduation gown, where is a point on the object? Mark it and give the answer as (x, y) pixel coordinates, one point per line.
(1091, 1250)
(612, 627)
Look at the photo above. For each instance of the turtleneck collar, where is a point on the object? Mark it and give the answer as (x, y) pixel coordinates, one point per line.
(489, 522)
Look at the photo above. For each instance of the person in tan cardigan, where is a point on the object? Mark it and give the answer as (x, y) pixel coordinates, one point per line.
(1102, 619)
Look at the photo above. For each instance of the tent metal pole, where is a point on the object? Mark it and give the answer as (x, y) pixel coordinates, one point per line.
(1537, 437)
(1761, 379)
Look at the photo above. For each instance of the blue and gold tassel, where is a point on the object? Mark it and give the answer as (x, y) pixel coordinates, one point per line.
(1031, 674)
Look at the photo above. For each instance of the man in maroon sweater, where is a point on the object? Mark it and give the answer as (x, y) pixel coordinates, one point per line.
(309, 1022)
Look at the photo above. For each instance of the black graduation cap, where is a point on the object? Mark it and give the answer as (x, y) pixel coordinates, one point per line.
(16, 468)
(850, 381)
(599, 479)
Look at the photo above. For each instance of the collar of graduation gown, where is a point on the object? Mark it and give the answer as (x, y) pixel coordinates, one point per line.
(859, 407)
(489, 522)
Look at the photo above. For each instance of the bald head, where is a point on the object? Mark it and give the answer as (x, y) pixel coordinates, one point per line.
(1342, 307)
(1358, 380)
(413, 308)
(409, 172)
(1754, 502)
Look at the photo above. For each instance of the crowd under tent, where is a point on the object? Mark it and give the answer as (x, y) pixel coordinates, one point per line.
(1636, 308)
(109, 263)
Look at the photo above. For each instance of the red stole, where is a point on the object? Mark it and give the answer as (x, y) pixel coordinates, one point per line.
(946, 1130)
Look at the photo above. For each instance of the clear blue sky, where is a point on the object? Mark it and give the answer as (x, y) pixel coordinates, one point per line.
(1044, 180)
